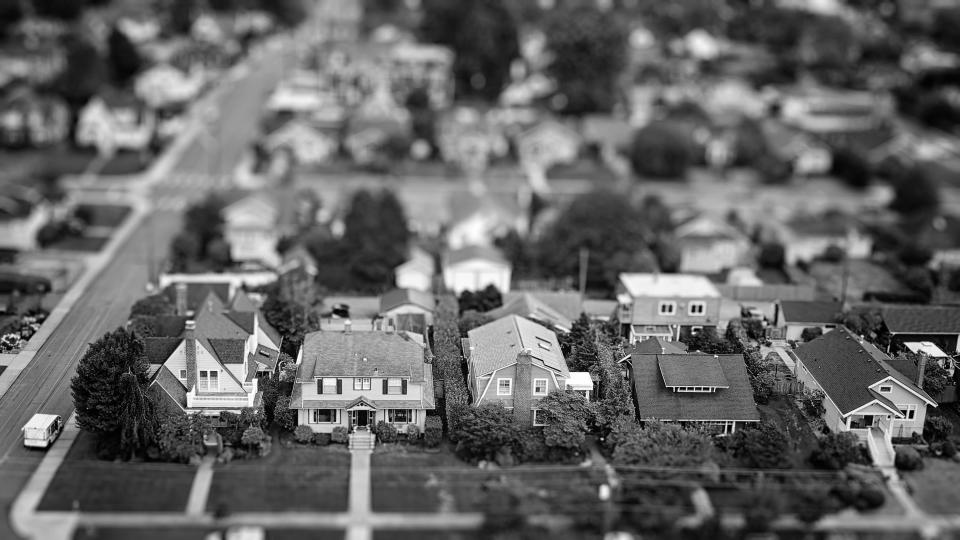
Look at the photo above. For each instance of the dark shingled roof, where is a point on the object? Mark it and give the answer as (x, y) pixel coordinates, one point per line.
(797, 311)
(692, 370)
(269, 330)
(158, 349)
(172, 388)
(197, 293)
(229, 351)
(845, 368)
(922, 319)
(656, 402)
(170, 326)
(657, 345)
(243, 319)
(530, 305)
(359, 354)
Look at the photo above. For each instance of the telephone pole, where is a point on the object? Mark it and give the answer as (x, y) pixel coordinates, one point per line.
(584, 260)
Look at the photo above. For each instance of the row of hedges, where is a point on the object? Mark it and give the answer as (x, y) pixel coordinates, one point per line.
(304, 435)
(758, 369)
(447, 362)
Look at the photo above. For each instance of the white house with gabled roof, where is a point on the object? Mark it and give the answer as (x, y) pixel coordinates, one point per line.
(666, 306)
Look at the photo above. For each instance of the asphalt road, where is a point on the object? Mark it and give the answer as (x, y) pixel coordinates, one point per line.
(44, 383)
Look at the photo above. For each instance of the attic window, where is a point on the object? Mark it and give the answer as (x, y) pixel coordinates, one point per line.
(886, 389)
(543, 344)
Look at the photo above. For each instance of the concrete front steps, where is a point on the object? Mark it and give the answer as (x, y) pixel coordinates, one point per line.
(362, 440)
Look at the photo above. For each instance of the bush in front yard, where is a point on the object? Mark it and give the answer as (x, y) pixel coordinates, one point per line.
(869, 498)
(321, 439)
(908, 459)
(256, 440)
(283, 415)
(386, 432)
(937, 428)
(433, 432)
(413, 434)
(836, 450)
(339, 435)
(949, 449)
(303, 434)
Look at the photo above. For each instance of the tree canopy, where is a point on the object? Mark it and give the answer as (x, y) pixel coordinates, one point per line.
(660, 150)
(663, 445)
(67, 10)
(124, 58)
(482, 34)
(589, 49)
(85, 72)
(567, 416)
(914, 192)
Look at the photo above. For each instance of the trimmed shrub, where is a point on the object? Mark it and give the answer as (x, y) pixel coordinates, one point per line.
(321, 439)
(869, 498)
(339, 435)
(413, 433)
(283, 415)
(530, 446)
(303, 434)
(386, 432)
(837, 450)
(949, 449)
(908, 459)
(433, 432)
(937, 428)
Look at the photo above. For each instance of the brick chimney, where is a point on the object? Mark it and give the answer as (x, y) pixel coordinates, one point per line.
(190, 348)
(521, 389)
(921, 367)
(181, 299)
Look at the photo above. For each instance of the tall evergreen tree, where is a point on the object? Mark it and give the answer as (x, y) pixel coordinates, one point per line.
(137, 418)
(124, 58)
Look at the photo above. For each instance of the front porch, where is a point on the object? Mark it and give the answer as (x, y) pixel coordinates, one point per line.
(875, 432)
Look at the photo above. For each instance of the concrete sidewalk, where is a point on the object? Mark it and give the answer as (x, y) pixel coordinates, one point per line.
(359, 512)
(200, 489)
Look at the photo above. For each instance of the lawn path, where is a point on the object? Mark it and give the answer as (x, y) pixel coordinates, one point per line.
(200, 489)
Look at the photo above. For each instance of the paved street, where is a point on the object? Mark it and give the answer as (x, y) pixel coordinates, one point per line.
(44, 383)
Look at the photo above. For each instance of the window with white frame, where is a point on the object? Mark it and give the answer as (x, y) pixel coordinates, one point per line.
(209, 381)
(909, 411)
(400, 416)
(394, 385)
(539, 387)
(697, 308)
(886, 389)
(361, 383)
(183, 374)
(323, 416)
(667, 308)
(539, 418)
(504, 387)
(329, 385)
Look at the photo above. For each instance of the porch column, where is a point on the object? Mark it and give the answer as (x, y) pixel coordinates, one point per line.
(848, 422)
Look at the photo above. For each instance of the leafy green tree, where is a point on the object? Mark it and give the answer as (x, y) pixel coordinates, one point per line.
(772, 255)
(663, 445)
(180, 436)
(472, 319)
(288, 13)
(181, 14)
(914, 192)
(84, 74)
(484, 431)
(762, 447)
(482, 34)
(606, 224)
(660, 150)
(945, 24)
(283, 415)
(708, 341)
(11, 11)
(836, 450)
(67, 10)
(567, 416)
(851, 168)
(291, 319)
(615, 401)
(99, 391)
(124, 58)
(582, 345)
(138, 421)
(480, 301)
(589, 49)
(152, 306)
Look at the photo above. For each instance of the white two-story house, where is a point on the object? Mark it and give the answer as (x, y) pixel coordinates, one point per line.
(864, 394)
(357, 379)
(666, 306)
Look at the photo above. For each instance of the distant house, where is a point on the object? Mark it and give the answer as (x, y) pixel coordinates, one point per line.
(927, 353)
(23, 212)
(711, 392)
(666, 306)
(479, 219)
(937, 324)
(407, 310)
(423, 65)
(254, 225)
(827, 110)
(39, 64)
(804, 154)
(473, 268)
(308, 144)
(466, 137)
(163, 84)
(553, 308)
(357, 379)
(373, 123)
(113, 120)
(805, 238)
(864, 394)
(708, 246)
(546, 144)
(213, 366)
(796, 316)
(416, 272)
(30, 119)
(514, 362)
(297, 275)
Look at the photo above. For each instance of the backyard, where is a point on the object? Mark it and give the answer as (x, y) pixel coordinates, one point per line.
(86, 483)
(291, 478)
(934, 488)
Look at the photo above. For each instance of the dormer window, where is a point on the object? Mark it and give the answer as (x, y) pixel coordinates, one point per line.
(698, 389)
(697, 308)
(886, 389)
(667, 308)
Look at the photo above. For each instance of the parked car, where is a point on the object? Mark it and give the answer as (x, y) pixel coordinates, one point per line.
(42, 430)
(11, 282)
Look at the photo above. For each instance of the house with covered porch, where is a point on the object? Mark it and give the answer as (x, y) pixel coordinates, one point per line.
(863, 393)
(357, 379)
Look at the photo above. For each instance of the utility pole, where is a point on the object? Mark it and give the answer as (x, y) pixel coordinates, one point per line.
(584, 260)
(845, 279)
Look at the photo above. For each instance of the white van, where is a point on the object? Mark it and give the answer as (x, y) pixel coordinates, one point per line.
(42, 430)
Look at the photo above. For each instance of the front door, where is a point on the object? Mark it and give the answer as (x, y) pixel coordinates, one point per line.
(361, 418)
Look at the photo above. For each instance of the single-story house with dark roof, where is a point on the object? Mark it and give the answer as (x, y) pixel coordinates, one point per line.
(937, 324)
(863, 393)
(407, 310)
(697, 389)
(796, 315)
(653, 345)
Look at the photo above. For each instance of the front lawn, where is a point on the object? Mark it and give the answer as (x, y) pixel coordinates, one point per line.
(290, 478)
(102, 215)
(102, 486)
(195, 533)
(79, 243)
(935, 487)
(124, 163)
